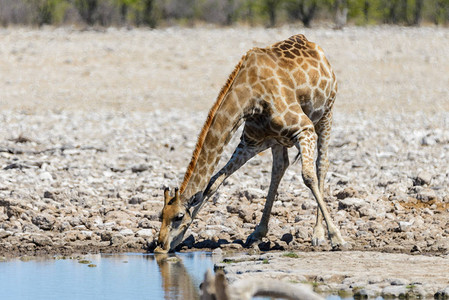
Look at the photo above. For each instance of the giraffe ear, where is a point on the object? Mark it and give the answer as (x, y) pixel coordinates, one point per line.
(166, 195)
(176, 195)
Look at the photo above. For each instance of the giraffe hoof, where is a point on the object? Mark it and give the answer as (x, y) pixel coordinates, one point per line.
(318, 241)
(253, 238)
(341, 247)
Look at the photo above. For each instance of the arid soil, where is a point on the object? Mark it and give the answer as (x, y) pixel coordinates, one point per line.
(361, 275)
(93, 125)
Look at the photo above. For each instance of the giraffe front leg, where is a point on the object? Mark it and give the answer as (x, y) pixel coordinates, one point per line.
(280, 164)
(241, 155)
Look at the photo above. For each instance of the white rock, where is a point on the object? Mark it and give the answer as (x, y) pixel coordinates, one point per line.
(126, 232)
(46, 176)
(405, 226)
(145, 233)
(354, 203)
(394, 291)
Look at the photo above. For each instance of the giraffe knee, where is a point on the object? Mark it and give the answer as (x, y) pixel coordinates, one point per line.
(309, 177)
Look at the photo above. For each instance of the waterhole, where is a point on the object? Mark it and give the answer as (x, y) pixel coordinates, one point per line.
(107, 276)
(104, 276)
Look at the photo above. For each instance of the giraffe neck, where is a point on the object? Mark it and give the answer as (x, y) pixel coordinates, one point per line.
(223, 119)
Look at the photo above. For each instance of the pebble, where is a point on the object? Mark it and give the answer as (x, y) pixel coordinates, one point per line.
(44, 221)
(145, 233)
(126, 232)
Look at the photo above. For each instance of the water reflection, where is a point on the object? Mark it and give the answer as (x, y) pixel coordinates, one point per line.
(115, 276)
(176, 281)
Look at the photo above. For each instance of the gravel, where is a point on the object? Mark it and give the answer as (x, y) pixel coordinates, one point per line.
(93, 125)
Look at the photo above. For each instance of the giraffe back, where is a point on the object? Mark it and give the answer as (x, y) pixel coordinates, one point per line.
(293, 70)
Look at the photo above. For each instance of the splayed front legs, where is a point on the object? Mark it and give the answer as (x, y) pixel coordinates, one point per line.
(280, 164)
(241, 155)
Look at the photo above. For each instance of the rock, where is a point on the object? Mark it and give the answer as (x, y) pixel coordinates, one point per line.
(308, 204)
(118, 239)
(94, 222)
(441, 245)
(394, 291)
(416, 249)
(442, 294)
(426, 195)
(144, 223)
(4, 233)
(127, 232)
(369, 212)
(46, 176)
(135, 200)
(49, 195)
(139, 168)
(347, 192)
(217, 252)
(351, 203)
(75, 221)
(116, 215)
(423, 178)
(428, 141)
(106, 236)
(44, 221)
(404, 226)
(145, 233)
(41, 240)
(232, 209)
(253, 193)
(365, 293)
(245, 215)
(398, 281)
(231, 247)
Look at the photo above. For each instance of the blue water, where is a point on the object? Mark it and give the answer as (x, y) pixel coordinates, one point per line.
(115, 276)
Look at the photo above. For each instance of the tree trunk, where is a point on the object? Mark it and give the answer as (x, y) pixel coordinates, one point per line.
(123, 12)
(271, 6)
(148, 17)
(341, 12)
(230, 12)
(418, 12)
(366, 8)
(392, 12)
(403, 12)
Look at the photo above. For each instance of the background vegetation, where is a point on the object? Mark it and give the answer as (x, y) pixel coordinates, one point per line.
(155, 13)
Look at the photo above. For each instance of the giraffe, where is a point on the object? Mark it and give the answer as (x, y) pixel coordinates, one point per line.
(284, 95)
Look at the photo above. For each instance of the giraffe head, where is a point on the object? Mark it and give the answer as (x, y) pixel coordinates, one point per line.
(176, 218)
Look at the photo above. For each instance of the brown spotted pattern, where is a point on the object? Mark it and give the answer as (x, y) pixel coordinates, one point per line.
(284, 94)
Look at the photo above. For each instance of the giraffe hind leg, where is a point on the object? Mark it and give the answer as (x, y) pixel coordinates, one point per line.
(322, 129)
(307, 144)
(280, 164)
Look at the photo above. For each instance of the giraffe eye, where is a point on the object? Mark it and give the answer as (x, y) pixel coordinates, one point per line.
(178, 217)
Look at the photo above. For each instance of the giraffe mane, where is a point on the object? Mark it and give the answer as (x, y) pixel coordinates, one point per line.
(210, 117)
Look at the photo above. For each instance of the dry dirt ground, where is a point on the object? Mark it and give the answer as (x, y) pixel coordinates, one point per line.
(94, 123)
